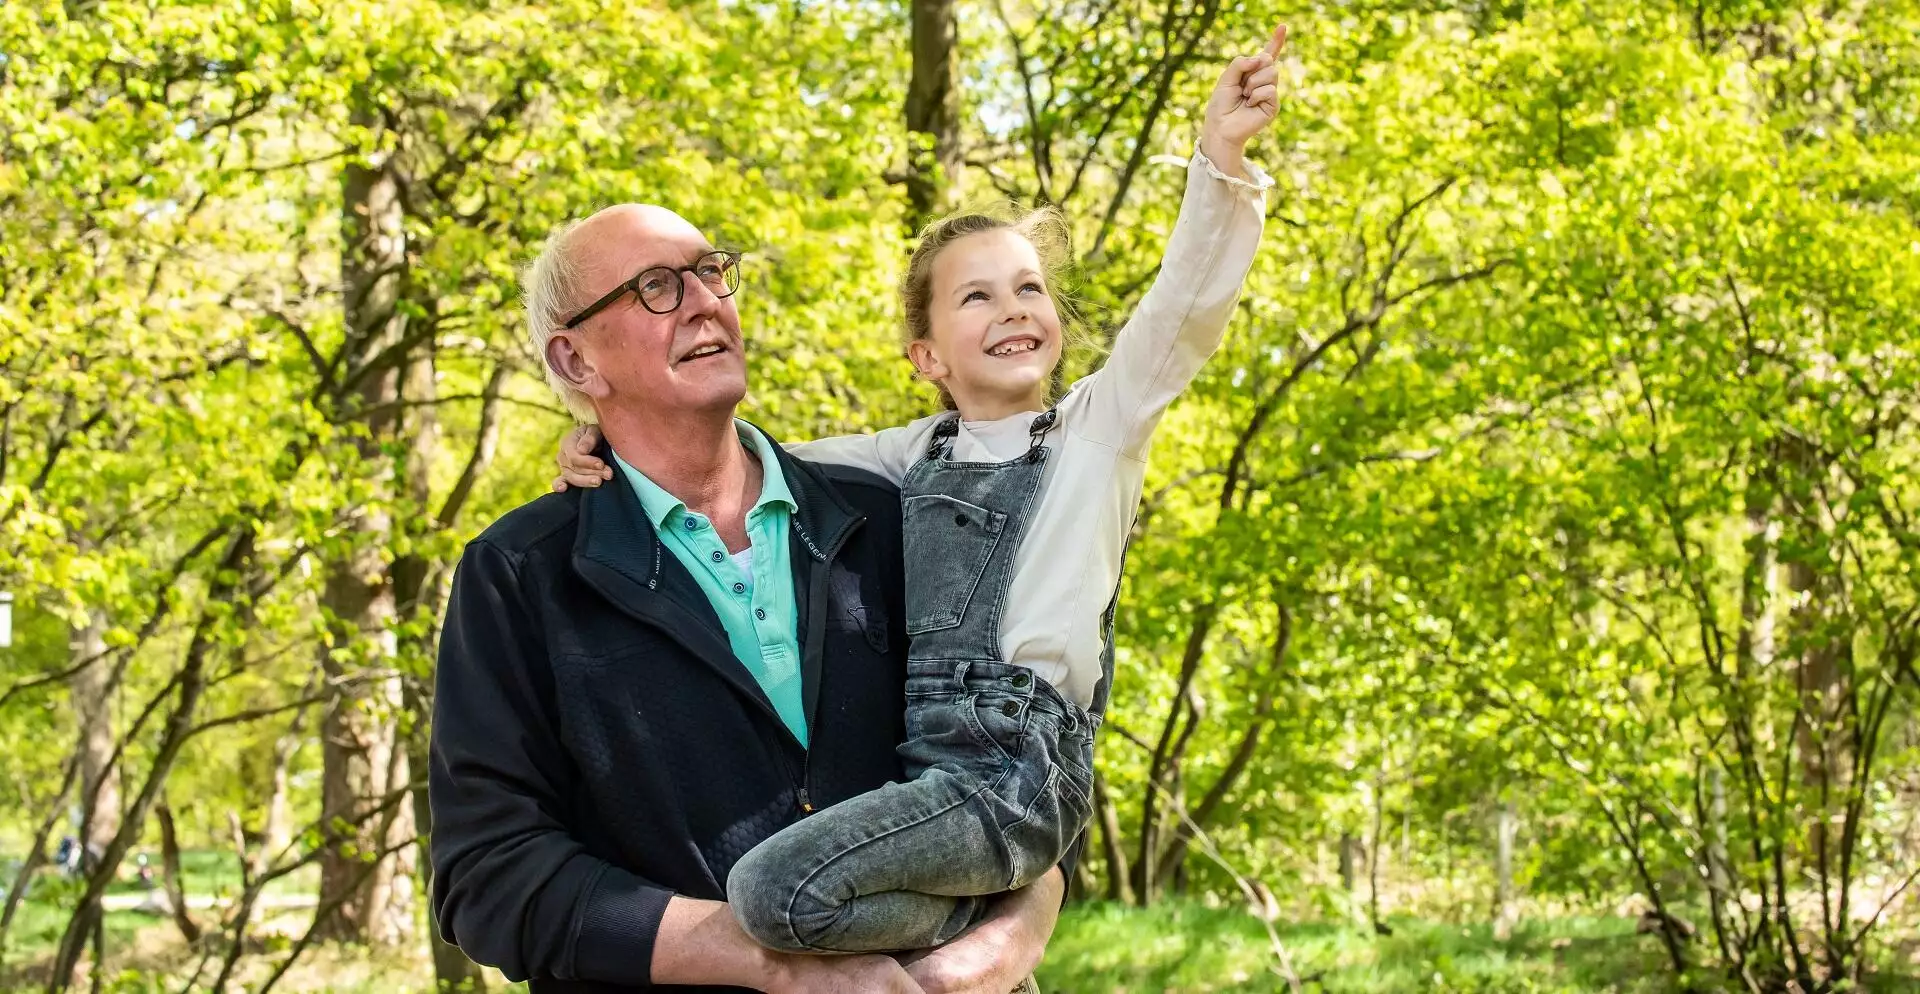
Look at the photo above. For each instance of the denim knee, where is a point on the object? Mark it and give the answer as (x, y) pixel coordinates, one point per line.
(761, 894)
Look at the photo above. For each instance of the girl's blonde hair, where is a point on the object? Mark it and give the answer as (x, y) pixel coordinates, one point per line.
(1043, 227)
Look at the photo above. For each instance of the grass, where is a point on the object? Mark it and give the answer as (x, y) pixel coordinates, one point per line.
(1185, 947)
(43, 916)
(42, 919)
(1108, 949)
(1176, 947)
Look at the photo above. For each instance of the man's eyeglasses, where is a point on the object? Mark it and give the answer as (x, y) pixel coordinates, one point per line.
(661, 288)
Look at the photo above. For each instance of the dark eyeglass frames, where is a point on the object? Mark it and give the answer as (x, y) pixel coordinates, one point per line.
(661, 288)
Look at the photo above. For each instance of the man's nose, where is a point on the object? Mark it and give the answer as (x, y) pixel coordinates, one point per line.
(699, 299)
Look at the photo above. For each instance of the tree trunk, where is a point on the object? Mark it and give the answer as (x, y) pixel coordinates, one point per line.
(1760, 583)
(364, 764)
(364, 767)
(1506, 910)
(933, 112)
(1719, 880)
(1119, 874)
(1822, 674)
(1349, 848)
(1081, 884)
(93, 714)
(171, 876)
(1377, 846)
(276, 833)
(1406, 840)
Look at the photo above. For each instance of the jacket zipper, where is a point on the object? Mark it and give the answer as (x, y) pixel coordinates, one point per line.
(816, 639)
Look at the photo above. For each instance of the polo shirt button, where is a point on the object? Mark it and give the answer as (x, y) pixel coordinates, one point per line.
(693, 524)
(760, 613)
(739, 588)
(719, 556)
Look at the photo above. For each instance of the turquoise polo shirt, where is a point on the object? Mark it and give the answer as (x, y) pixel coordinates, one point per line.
(751, 592)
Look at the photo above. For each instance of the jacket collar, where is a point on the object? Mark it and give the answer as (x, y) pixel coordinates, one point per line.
(618, 553)
(614, 529)
(821, 516)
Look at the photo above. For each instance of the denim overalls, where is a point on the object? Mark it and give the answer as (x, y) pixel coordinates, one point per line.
(1000, 765)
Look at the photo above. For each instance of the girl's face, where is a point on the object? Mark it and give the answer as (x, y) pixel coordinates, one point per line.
(995, 335)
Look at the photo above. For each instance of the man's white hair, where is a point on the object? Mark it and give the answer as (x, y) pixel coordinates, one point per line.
(552, 284)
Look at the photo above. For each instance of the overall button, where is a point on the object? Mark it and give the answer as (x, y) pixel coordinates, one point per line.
(960, 519)
(1011, 709)
(1019, 679)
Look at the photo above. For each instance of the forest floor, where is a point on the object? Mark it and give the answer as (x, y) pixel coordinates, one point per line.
(1177, 946)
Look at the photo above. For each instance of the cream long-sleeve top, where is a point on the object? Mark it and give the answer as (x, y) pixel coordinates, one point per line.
(1068, 565)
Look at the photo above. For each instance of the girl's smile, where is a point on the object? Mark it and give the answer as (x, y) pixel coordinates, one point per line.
(995, 335)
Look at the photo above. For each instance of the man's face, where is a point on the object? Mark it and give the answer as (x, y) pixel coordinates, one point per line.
(691, 359)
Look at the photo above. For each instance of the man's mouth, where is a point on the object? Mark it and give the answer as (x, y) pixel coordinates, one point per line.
(703, 352)
(1014, 346)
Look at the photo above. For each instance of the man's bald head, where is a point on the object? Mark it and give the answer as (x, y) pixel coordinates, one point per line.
(596, 252)
(614, 239)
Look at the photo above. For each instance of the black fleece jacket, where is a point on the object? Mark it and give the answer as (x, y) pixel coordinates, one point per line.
(598, 749)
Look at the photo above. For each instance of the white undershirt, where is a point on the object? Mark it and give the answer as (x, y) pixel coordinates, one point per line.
(1068, 565)
(744, 560)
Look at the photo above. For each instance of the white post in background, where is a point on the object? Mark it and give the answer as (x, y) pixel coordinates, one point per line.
(1506, 908)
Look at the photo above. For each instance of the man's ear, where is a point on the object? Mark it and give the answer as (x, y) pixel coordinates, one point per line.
(925, 361)
(572, 365)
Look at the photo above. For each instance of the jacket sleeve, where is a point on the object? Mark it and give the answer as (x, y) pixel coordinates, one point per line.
(511, 887)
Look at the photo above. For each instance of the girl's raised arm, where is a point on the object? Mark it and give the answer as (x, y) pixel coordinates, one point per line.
(1182, 318)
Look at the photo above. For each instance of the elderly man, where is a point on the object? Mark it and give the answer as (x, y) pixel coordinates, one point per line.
(640, 682)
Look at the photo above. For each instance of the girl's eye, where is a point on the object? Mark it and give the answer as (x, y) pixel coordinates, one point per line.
(1035, 287)
(974, 295)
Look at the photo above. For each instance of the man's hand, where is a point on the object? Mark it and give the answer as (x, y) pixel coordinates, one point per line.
(1245, 100)
(840, 975)
(995, 955)
(700, 943)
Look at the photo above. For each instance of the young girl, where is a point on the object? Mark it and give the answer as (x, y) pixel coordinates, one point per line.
(1016, 517)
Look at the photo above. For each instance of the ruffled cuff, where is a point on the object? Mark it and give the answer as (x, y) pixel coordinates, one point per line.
(1261, 182)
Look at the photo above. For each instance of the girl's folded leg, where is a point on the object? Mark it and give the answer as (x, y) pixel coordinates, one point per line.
(903, 867)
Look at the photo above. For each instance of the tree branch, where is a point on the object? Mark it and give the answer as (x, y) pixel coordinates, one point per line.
(485, 441)
(1168, 69)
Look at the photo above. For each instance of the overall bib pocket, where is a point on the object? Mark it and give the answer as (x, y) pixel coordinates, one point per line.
(948, 545)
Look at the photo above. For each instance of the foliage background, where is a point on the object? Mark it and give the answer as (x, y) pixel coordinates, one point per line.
(1540, 542)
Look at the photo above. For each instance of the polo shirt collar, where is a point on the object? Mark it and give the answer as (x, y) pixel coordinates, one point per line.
(660, 506)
